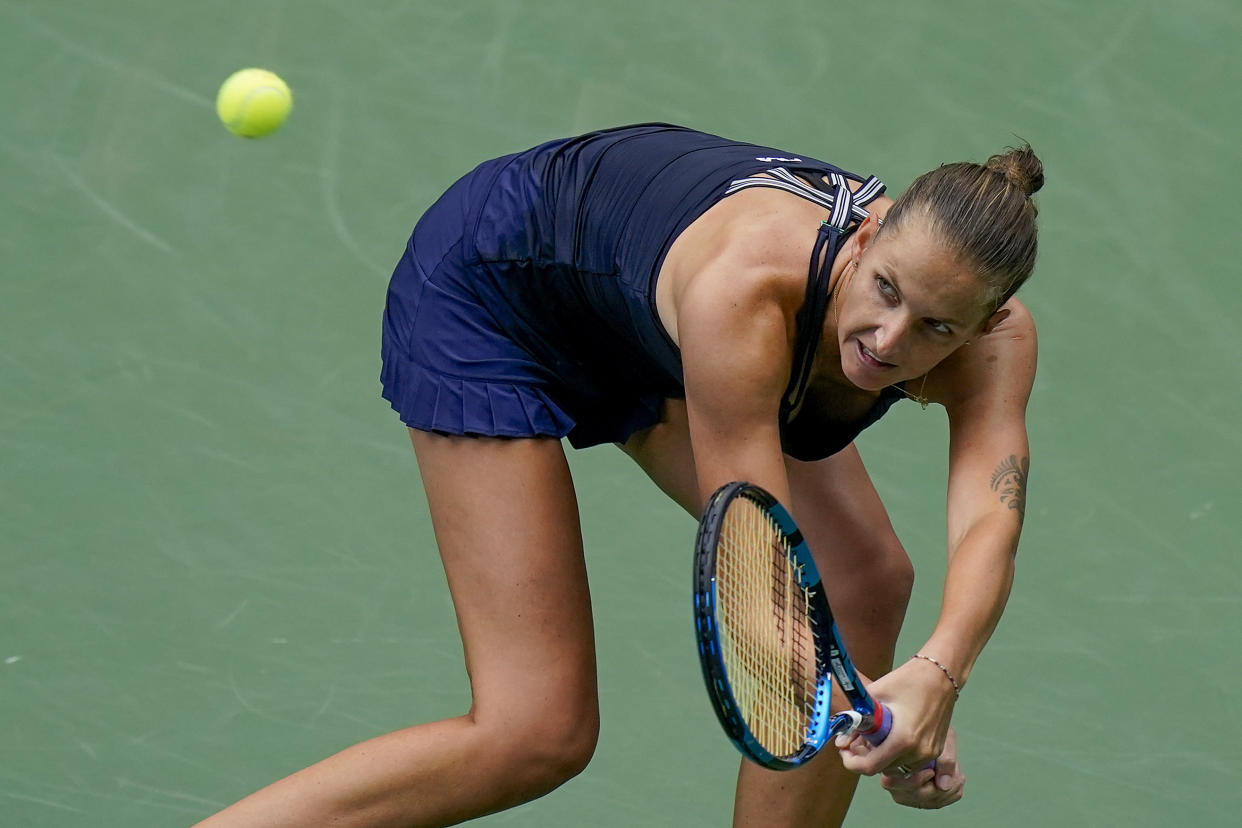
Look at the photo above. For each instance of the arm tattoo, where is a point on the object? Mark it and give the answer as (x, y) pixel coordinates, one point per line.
(1009, 481)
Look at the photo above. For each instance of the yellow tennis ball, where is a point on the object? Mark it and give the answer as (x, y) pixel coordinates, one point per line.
(253, 102)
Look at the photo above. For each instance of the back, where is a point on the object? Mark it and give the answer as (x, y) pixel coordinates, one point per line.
(611, 202)
(560, 246)
(588, 221)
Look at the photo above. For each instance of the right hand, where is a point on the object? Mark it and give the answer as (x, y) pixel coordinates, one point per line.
(933, 787)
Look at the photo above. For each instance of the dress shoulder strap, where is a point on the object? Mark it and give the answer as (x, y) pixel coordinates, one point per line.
(780, 178)
(847, 212)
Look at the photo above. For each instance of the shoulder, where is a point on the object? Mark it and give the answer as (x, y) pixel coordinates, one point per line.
(1019, 324)
(750, 251)
(1013, 343)
(760, 229)
(996, 370)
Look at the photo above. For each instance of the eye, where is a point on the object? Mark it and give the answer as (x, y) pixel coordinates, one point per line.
(939, 327)
(886, 287)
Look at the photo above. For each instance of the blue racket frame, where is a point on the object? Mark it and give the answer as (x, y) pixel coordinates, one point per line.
(831, 658)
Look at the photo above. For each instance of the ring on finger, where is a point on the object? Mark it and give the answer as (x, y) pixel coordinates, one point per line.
(904, 771)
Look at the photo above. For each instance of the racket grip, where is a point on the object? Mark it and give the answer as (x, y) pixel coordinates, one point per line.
(883, 720)
(882, 723)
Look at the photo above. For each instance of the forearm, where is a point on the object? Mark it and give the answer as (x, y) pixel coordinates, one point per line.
(920, 698)
(977, 585)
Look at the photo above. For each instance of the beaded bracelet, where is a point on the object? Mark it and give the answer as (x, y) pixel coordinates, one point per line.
(957, 689)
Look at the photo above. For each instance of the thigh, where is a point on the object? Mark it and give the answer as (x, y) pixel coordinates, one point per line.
(834, 498)
(506, 521)
(869, 577)
(867, 572)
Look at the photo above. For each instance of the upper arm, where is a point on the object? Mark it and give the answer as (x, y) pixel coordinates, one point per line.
(987, 386)
(734, 335)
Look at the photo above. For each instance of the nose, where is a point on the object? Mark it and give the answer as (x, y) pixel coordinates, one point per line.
(889, 337)
(884, 339)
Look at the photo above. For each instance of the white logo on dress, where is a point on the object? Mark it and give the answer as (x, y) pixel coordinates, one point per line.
(768, 159)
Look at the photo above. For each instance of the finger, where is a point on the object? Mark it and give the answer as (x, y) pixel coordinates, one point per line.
(948, 775)
(862, 763)
(937, 798)
(903, 782)
(921, 791)
(903, 793)
(867, 759)
(844, 740)
(921, 796)
(942, 799)
(909, 799)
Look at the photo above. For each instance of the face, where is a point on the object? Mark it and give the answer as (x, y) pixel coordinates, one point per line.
(904, 303)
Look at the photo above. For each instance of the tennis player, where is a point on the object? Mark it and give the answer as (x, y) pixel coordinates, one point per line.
(722, 311)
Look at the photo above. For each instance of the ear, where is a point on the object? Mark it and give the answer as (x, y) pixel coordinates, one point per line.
(864, 235)
(995, 319)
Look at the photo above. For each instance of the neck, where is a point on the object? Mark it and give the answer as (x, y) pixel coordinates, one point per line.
(828, 355)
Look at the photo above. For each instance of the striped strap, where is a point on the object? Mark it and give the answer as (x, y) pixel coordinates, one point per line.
(842, 215)
(846, 210)
(810, 318)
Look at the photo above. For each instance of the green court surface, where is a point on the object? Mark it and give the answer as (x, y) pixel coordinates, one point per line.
(216, 564)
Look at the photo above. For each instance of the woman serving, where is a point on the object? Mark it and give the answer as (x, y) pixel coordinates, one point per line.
(722, 311)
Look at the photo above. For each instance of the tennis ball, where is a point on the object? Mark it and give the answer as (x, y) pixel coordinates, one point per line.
(253, 102)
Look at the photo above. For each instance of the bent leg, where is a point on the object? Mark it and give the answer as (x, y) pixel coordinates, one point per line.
(868, 577)
(506, 521)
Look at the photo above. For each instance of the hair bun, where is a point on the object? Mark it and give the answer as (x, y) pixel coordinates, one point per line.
(1021, 167)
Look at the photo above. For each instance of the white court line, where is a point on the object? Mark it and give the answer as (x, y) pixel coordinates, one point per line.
(101, 59)
(36, 800)
(330, 179)
(109, 209)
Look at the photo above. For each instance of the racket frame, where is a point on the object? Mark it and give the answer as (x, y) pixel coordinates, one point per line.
(831, 658)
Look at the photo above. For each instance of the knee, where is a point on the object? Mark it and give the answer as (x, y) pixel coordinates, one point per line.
(894, 579)
(564, 745)
(873, 608)
(544, 749)
(881, 588)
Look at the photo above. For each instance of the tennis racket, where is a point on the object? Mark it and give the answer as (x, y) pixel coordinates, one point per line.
(767, 641)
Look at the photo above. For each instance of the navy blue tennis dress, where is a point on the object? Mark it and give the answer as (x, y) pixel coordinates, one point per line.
(524, 304)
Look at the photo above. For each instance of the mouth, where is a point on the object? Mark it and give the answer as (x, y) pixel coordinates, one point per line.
(868, 358)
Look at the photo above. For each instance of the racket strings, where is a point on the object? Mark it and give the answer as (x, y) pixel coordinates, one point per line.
(766, 637)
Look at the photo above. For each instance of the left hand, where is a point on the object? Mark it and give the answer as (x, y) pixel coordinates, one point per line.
(921, 704)
(930, 787)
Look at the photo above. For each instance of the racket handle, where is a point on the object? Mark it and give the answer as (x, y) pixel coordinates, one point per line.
(882, 723)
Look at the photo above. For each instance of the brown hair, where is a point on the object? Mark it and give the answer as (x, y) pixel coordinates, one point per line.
(984, 212)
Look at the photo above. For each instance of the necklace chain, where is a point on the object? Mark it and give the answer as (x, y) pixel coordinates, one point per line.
(918, 398)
